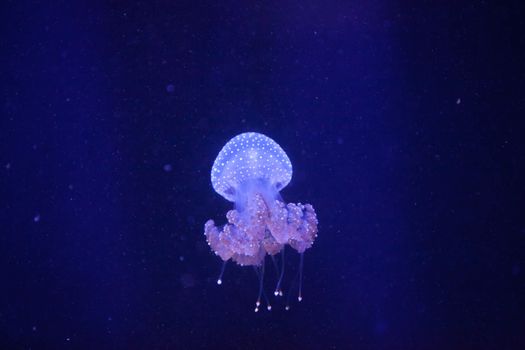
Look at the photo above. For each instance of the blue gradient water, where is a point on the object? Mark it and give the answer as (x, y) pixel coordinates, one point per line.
(403, 121)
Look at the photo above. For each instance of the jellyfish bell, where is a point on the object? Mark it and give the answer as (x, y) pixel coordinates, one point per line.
(250, 170)
(250, 163)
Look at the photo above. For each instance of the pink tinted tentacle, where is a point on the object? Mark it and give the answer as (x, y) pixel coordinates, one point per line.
(278, 291)
(219, 280)
(301, 259)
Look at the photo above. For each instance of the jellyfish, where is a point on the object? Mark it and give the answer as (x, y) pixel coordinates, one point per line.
(250, 171)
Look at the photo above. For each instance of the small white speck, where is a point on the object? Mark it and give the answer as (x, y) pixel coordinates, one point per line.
(458, 101)
(36, 218)
(167, 168)
(181, 258)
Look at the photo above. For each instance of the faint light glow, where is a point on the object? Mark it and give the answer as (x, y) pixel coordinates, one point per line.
(36, 218)
(187, 280)
(167, 168)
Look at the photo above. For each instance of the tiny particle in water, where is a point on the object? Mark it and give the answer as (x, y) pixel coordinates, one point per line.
(8, 166)
(68, 339)
(170, 88)
(187, 280)
(34, 328)
(181, 258)
(381, 327)
(36, 218)
(167, 168)
(458, 101)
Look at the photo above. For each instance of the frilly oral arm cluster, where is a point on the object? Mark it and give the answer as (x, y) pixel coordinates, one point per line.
(247, 238)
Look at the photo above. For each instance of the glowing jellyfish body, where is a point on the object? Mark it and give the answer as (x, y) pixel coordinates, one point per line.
(250, 170)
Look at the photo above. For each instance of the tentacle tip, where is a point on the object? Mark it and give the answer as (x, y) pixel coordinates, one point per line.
(299, 298)
(269, 307)
(219, 281)
(287, 307)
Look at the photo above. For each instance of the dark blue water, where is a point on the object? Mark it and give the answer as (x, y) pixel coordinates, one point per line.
(402, 121)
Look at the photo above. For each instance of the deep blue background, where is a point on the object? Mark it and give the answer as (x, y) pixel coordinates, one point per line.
(402, 121)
